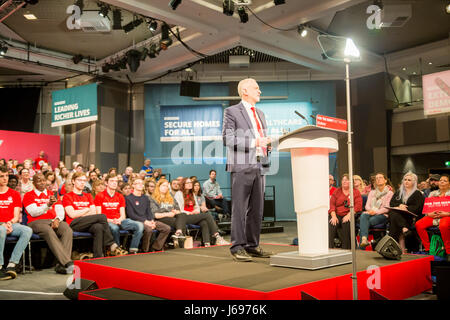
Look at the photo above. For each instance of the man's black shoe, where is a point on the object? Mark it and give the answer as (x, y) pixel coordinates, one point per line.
(60, 269)
(4, 275)
(12, 272)
(241, 256)
(259, 252)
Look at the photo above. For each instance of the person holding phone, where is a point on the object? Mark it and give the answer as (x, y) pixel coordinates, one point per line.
(46, 218)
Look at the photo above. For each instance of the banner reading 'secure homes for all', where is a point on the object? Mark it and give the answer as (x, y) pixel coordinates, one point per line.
(74, 105)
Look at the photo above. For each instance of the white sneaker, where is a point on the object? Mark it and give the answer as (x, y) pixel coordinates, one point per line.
(221, 241)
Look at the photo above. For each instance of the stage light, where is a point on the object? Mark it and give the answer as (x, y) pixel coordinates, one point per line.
(242, 14)
(228, 7)
(131, 25)
(278, 2)
(104, 10)
(165, 41)
(77, 58)
(115, 66)
(117, 19)
(154, 50)
(144, 54)
(174, 4)
(350, 49)
(133, 59)
(302, 30)
(404, 68)
(3, 48)
(153, 25)
(122, 63)
(447, 8)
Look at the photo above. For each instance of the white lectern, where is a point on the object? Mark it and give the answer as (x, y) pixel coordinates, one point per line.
(310, 147)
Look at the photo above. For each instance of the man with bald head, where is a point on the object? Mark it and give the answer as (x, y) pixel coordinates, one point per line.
(244, 135)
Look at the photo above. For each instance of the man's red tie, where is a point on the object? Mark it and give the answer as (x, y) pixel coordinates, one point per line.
(258, 126)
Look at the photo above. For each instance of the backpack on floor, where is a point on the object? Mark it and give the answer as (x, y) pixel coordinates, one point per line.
(437, 246)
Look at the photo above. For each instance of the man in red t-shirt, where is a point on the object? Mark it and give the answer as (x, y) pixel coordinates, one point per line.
(40, 161)
(10, 206)
(112, 204)
(45, 217)
(82, 216)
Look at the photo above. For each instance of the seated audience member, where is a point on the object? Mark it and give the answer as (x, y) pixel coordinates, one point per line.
(46, 218)
(188, 204)
(10, 206)
(138, 209)
(128, 174)
(174, 187)
(98, 187)
(331, 183)
(375, 212)
(82, 216)
(40, 160)
(433, 182)
(112, 171)
(79, 168)
(142, 175)
(147, 168)
(408, 197)
(166, 209)
(440, 218)
(339, 224)
(13, 182)
(98, 172)
(371, 185)
(156, 175)
(150, 186)
(28, 164)
(51, 183)
(112, 204)
(199, 196)
(92, 177)
(359, 184)
(213, 195)
(126, 189)
(422, 186)
(62, 176)
(25, 183)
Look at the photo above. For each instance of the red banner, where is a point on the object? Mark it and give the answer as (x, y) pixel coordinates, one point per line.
(24, 145)
(436, 204)
(331, 123)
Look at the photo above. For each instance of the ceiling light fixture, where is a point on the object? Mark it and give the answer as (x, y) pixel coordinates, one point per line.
(447, 8)
(302, 30)
(165, 41)
(30, 16)
(430, 63)
(404, 68)
(154, 50)
(174, 4)
(133, 59)
(3, 48)
(242, 15)
(77, 58)
(132, 24)
(153, 25)
(228, 7)
(104, 10)
(117, 19)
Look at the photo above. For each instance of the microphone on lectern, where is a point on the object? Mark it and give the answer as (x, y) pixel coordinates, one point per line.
(301, 116)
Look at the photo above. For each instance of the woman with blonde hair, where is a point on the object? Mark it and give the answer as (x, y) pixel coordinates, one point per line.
(166, 209)
(359, 184)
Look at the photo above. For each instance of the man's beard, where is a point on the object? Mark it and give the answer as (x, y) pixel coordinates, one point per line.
(434, 187)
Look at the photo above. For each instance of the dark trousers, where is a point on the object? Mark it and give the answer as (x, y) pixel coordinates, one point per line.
(98, 226)
(398, 221)
(178, 222)
(341, 231)
(206, 222)
(158, 244)
(247, 208)
(221, 203)
(59, 241)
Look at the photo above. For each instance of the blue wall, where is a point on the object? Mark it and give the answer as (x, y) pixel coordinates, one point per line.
(299, 94)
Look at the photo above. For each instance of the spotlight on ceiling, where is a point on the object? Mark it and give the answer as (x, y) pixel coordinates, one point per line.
(228, 7)
(117, 19)
(174, 4)
(278, 2)
(104, 10)
(152, 25)
(154, 50)
(132, 24)
(77, 58)
(133, 59)
(3, 48)
(165, 41)
(302, 30)
(447, 8)
(242, 14)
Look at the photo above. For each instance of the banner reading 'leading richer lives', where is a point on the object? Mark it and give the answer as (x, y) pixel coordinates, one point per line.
(74, 105)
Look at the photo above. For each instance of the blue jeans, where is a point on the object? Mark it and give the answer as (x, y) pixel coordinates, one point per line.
(20, 231)
(136, 227)
(366, 221)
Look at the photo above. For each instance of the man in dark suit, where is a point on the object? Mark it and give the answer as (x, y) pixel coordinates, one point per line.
(244, 135)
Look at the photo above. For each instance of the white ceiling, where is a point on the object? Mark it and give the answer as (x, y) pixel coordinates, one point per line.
(204, 27)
